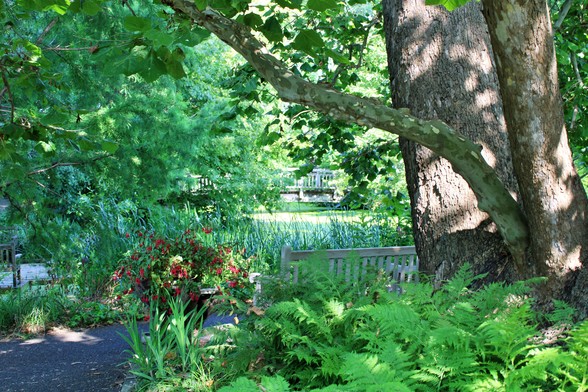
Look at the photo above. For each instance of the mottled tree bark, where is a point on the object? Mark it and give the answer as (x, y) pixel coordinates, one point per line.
(441, 67)
(552, 195)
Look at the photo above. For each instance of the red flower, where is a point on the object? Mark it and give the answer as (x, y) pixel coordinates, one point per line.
(207, 230)
(178, 291)
(155, 297)
(234, 269)
(145, 299)
(232, 284)
(146, 318)
(142, 273)
(127, 235)
(193, 296)
(219, 271)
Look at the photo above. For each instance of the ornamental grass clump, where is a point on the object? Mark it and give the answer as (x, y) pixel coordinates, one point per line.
(160, 269)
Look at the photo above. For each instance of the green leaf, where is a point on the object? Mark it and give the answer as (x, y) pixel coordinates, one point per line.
(46, 148)
(272, 30)
(110, 147)
(252, 20)
(337, 56)
(241, 384)
(131, 64)
(275, 384)
(55, 117)
(322, 5)
(91, 7)
(293, 4)
(175, 69)
(192, 38)
(154, 68)
(159, 38)
(449, 4)
(137, 23)
(201, 4)
(306, 40)
(85, 144)
(173, 61)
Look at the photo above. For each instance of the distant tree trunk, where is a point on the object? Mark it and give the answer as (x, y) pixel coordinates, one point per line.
(552, 195)
(441, 67)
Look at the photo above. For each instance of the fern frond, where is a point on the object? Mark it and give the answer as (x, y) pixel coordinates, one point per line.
(365, 372)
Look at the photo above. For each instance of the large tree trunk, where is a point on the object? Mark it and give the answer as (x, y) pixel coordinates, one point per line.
(553, 197)
(441, 67)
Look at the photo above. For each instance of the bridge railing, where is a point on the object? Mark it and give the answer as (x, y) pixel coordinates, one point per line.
(317, 179)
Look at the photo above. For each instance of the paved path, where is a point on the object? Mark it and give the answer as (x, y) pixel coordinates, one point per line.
(65, 361)
(69, 361)
(28, 273)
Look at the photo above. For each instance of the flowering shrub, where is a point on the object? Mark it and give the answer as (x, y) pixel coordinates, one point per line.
(159, 269)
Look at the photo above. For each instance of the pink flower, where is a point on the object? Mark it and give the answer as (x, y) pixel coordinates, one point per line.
(232, 284)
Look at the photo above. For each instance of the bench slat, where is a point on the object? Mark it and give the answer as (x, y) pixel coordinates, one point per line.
(401, 262)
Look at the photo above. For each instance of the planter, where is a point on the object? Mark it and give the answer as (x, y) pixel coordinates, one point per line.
(203, 301)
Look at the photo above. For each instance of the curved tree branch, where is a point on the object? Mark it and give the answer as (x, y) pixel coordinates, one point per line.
(464, 155)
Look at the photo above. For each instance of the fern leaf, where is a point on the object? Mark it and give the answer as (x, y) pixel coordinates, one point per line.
(241, 384)
(365, 372)
(274, 384)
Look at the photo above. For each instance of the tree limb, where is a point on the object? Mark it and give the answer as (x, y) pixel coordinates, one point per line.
(562, 14)
(463, 154)
(60, 164)
(10, 96)
(46, 30)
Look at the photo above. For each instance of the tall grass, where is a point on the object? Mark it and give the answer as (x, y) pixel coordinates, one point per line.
(265, 235)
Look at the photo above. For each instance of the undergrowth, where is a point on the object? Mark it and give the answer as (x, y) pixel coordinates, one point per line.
(365, 338)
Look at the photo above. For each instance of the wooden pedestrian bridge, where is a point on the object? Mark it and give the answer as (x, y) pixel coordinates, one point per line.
(317, 186)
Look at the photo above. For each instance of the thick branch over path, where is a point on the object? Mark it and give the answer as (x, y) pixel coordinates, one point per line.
(464, 155)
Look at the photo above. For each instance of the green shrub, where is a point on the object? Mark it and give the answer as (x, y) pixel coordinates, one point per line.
(452, 339)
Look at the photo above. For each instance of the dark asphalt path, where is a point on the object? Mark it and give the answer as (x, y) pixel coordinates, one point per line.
(65, 361)
(71, 361)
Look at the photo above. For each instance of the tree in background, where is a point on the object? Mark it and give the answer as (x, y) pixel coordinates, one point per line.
(81, 140)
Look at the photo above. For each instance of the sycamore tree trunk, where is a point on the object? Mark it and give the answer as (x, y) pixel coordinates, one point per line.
(553, 198)
(441, 67)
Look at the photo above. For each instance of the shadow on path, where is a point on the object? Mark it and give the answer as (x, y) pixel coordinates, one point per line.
(66, 361)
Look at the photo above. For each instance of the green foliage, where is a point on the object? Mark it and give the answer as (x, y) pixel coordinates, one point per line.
(450, 5)
(170, 347)
(571, 44)
(31, 310)
(452, 339)
(161, 269)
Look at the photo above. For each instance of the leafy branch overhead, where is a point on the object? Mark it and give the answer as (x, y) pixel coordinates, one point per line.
(464, 155)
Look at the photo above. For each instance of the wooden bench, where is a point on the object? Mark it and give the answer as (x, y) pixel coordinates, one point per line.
(400, 263)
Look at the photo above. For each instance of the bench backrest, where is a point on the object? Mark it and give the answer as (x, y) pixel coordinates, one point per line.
(400, 262)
